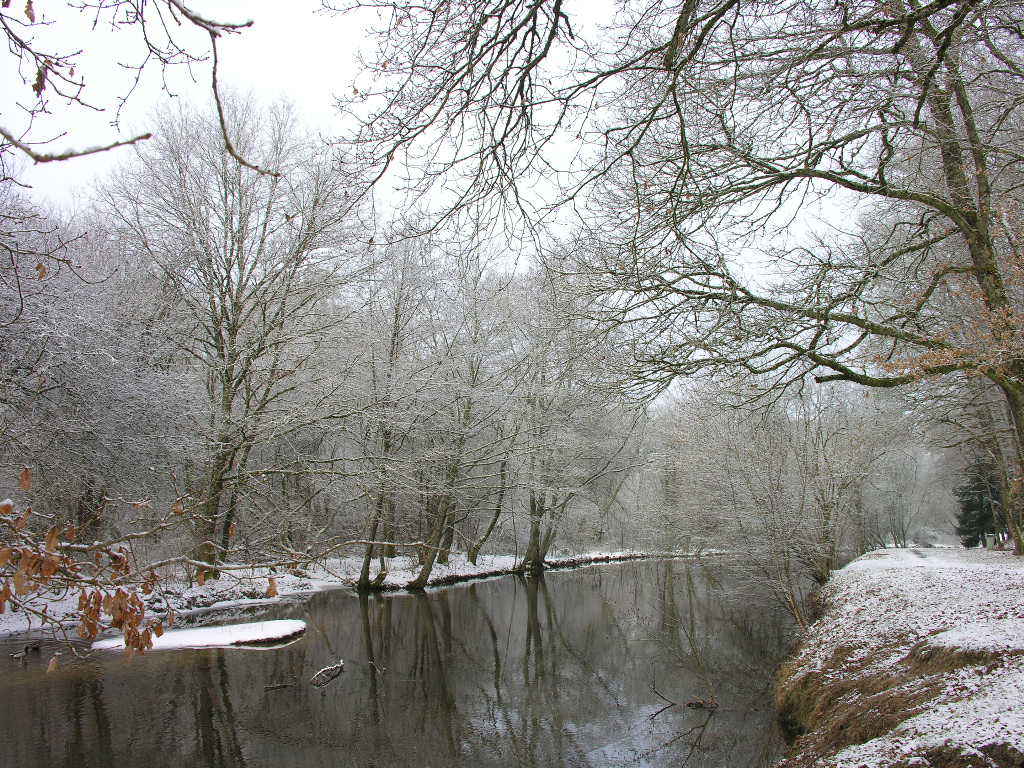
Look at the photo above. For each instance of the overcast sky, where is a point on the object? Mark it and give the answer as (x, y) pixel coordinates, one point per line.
(293, 49)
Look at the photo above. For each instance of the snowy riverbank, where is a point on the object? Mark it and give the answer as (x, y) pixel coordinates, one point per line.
(917, 660)
(251, 586)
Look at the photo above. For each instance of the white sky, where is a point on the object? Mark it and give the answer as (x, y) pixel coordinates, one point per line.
(293, 49)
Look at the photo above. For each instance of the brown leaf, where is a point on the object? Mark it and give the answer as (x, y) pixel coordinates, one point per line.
(50, 566)
(25, 481)
(39, 85)
(30, 12)
(22, 521)
(71, 533)
(232, 530)
(201, 576)
(272, 587)
(40, 267)
(5, 556)
(52, 538)
(158, 629)
(52, 666)
(6, 507)
(21, 581)
(178, 508)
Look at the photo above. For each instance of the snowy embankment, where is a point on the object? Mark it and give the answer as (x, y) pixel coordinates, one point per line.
(917, 660)
(245, 587)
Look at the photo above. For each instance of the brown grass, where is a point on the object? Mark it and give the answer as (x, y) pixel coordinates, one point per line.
(1000, 755)
(822, 712)
(838, 709)
(928, 659)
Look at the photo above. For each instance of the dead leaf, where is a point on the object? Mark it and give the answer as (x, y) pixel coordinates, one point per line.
(26, 479)
(40, 267)
(52, 666)
(51, 565)
(201, 576)
(232, 530)
(22, 521)
(272, 588)
(39, 85)
(20, 581)
(52, 538)
(5, 556)
(178, 508)
(30, 12)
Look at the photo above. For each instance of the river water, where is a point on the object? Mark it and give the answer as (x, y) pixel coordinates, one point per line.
(564, 670)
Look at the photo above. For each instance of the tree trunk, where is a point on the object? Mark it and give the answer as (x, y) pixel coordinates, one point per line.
(533, 560)
(371, 535)
(446, 544)
(432, 546)
(390, 528)
(1014, 464)
(207, 550)
(474, 550)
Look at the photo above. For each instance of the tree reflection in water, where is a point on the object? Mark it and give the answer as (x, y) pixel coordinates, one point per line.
(555, 670)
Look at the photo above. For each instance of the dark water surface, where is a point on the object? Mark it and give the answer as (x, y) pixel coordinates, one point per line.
(554, 671)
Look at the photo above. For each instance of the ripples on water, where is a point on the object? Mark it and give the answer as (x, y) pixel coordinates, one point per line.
(553, 671)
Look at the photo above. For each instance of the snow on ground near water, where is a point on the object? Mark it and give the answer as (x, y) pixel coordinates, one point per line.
(218, 637)
(887, 602)
(249, 586)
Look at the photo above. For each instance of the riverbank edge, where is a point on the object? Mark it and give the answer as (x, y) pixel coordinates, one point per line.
(216, 599)
(916, 660)
(552, 564)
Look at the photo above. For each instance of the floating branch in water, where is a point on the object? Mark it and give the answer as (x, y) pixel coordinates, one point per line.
(327, 674)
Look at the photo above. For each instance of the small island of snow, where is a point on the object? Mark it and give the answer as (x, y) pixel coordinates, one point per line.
(252, 633)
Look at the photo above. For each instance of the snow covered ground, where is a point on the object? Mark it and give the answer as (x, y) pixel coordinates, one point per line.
(251, 586)
(917, 661)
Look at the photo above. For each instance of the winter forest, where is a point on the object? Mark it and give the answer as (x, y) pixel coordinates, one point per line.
(689, 276)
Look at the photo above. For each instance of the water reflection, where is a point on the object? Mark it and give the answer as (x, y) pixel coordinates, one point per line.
(573, 669)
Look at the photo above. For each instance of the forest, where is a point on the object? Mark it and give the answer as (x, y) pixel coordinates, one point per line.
(704, 275)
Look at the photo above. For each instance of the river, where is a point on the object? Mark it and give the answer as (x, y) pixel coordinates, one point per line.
(573, 669)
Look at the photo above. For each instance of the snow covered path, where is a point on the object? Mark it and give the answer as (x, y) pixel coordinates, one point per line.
(917, 661)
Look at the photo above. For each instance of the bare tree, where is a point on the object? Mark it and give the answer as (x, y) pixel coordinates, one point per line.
(252, 263)
(798, 488)
(164, 34)
(729, 119)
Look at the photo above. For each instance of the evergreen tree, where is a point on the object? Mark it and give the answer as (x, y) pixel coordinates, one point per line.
(980, 499)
